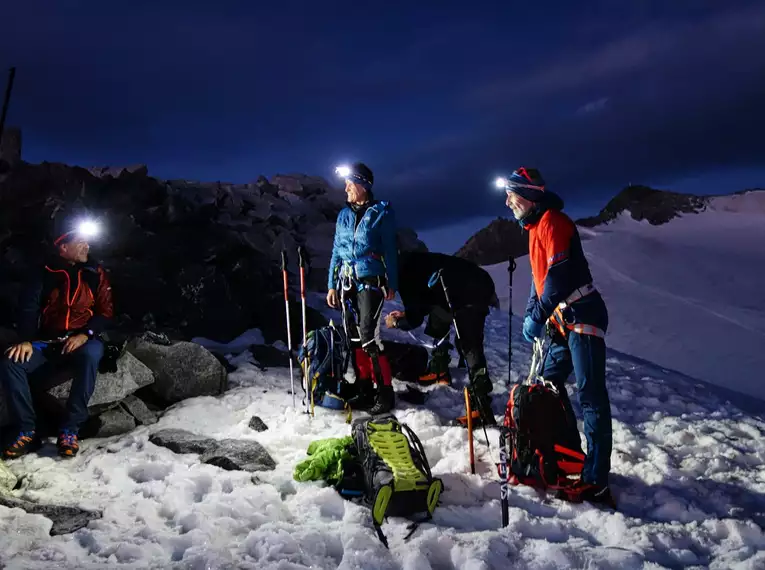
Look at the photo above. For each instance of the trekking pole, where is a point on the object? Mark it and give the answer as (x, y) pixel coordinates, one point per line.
(459, 338)
(306, 363)
(510, 269)
(7, 100)
(4, 165)
(289, 328)
(504, 471)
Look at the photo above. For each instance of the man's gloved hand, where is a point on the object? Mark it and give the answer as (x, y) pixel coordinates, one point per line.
(532, 329)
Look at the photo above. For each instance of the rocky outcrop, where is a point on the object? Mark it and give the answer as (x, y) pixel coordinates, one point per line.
(495, 243)
(643, 203)
(185, 258)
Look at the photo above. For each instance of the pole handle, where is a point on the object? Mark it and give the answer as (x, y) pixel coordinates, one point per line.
(284, 260)
(301, 256)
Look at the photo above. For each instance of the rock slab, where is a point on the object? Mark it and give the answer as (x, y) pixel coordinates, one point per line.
(65, 519)
(228, 454)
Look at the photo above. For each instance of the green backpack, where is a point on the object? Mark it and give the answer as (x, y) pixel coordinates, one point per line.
(395, 472)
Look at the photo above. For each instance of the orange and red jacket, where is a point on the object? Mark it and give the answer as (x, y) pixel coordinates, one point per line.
(65, 299)
(559, 267)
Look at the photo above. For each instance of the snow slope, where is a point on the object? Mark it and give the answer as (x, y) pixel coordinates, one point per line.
(687, 473)
(688, 295)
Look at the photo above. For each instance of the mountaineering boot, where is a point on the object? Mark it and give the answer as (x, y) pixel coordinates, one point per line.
(581, 491)
(385, 399)
(24, 443)
(438, 367)
(67, 443)
(364, 396)
(480, 401)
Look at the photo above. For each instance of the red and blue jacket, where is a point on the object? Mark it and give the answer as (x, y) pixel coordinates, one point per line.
(559, 267)
(65, 299)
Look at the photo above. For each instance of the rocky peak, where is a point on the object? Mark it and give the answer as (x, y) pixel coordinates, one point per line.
(645, 203)
(495, 243)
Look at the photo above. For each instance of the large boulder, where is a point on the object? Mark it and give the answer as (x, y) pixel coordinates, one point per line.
(112, 387)
(181, 369)
(228, 454)
(52, 391)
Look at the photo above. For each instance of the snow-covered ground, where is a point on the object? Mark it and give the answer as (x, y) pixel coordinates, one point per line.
(688, 295)
(687, 473)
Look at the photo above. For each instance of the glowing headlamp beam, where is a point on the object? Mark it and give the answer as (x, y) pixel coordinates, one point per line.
(343, 171)
(88, 228)
(501, 183)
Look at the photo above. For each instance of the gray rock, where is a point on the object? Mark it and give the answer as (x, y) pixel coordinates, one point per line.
(257, 424)
(182, 370)
(140, 411)
(65, 519)
(115, 422)
(181, 441)
(229, 454)
(112, 387)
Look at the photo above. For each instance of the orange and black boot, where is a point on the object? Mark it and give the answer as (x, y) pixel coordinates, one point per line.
(67, 443)
(580, 491)
(438, 367)
(480, 401)
(26, 442)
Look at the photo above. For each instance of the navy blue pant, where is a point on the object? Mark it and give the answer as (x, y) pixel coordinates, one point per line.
(84, 362)
(585, 355)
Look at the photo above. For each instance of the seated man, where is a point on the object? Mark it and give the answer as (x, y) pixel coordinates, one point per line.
(62, 311)
(471, 293)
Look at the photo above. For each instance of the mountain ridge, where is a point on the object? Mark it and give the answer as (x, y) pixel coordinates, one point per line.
(503, 237)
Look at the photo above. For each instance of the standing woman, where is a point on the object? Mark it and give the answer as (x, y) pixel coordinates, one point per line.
(363, 273)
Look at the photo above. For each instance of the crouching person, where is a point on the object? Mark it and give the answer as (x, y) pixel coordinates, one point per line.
(362, 275)
(62, 311)
(471, 294)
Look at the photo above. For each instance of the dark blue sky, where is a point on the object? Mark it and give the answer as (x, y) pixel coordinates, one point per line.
(437, 97)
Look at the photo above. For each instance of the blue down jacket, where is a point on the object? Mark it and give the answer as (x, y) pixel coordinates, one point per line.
(369, 248)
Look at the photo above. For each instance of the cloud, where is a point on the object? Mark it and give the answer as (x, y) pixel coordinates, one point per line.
(682, 99)
(654, 45)
(593, 106)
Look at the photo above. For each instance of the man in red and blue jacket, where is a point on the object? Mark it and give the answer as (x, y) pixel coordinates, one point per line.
(62, 310)
(562, 294)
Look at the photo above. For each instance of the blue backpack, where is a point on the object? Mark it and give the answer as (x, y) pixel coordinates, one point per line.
(328, 357)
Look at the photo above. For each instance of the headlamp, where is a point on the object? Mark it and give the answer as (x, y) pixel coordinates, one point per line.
(83, 229)
(502, 183)
(87, 228)
(343, 171)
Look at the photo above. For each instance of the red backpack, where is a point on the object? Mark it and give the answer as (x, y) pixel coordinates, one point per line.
(537, 434)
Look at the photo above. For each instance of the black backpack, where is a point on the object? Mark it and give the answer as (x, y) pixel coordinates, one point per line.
(537, 438)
